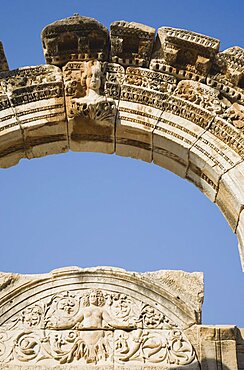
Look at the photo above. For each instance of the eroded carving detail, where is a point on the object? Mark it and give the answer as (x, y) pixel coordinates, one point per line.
(145, 78)
(155, 347)
(144, 96)
(131, 43)
(202, 95)
(82, 87)
(93, 327)
(115, 74)
(235, 115)
(185, 50)
(75, 38)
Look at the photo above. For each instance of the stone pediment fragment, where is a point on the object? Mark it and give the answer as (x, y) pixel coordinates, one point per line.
(185, 49)
(131, 43)
(75, 38)
(229, 65)
(101, 316)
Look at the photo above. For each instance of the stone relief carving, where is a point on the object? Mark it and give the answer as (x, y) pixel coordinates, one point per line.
(131, 43)
(229, 66)
(150, 80)
(93, 326)
(168, 347)
(115, 74)
(74, 38)
(184, 49)
(202, 95)
(235, 115)
(83, 89)
(31, 84)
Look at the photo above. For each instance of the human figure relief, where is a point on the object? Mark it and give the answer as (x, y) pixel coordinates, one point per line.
(91, 105)
(92, 343)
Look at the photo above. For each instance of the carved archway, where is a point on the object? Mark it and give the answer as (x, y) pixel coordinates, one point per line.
(175, 101)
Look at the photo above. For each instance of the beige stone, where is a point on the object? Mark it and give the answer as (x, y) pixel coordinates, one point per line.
(142, 98)
(184, 49)
(108, 318)
(240, 236)
(37, 104)
(131, 43)
(218, 347)
(74, 38)
(172, 140)
(240, 348)
(230, 197)
(12, 146)
(91, 115)
(99, 317)
(134, 128)
(209, 159)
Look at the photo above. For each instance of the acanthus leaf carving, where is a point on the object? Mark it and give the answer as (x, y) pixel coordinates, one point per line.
(93, 326)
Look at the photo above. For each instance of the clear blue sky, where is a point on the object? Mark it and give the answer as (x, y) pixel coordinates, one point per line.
(91, 209)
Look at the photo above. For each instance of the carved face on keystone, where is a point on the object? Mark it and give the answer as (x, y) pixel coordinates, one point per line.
(92, 76)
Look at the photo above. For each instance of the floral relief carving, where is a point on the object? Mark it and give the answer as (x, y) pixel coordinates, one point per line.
(204, 96)
(93, 326)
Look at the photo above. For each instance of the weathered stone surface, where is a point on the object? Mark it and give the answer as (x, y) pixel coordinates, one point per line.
(107, 318)
(183, 285)
(3, 60)
(172, 140)
(75, 38)
(35, 97)
(184, 50)
(209, 159)
(11, 142)
(102, 317)
(240, 348)
(142, 97)
(91, 114)
(184, 113)
(131, 43)
(240, 235)
(230, 197)
(218, 347)
(228, 68)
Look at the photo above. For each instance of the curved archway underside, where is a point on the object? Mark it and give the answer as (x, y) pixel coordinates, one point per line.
(170, 98)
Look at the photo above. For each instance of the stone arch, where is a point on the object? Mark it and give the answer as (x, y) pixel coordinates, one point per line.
(174, 100)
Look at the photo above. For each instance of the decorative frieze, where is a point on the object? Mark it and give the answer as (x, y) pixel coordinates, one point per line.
(72, 324)
(36, 98)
